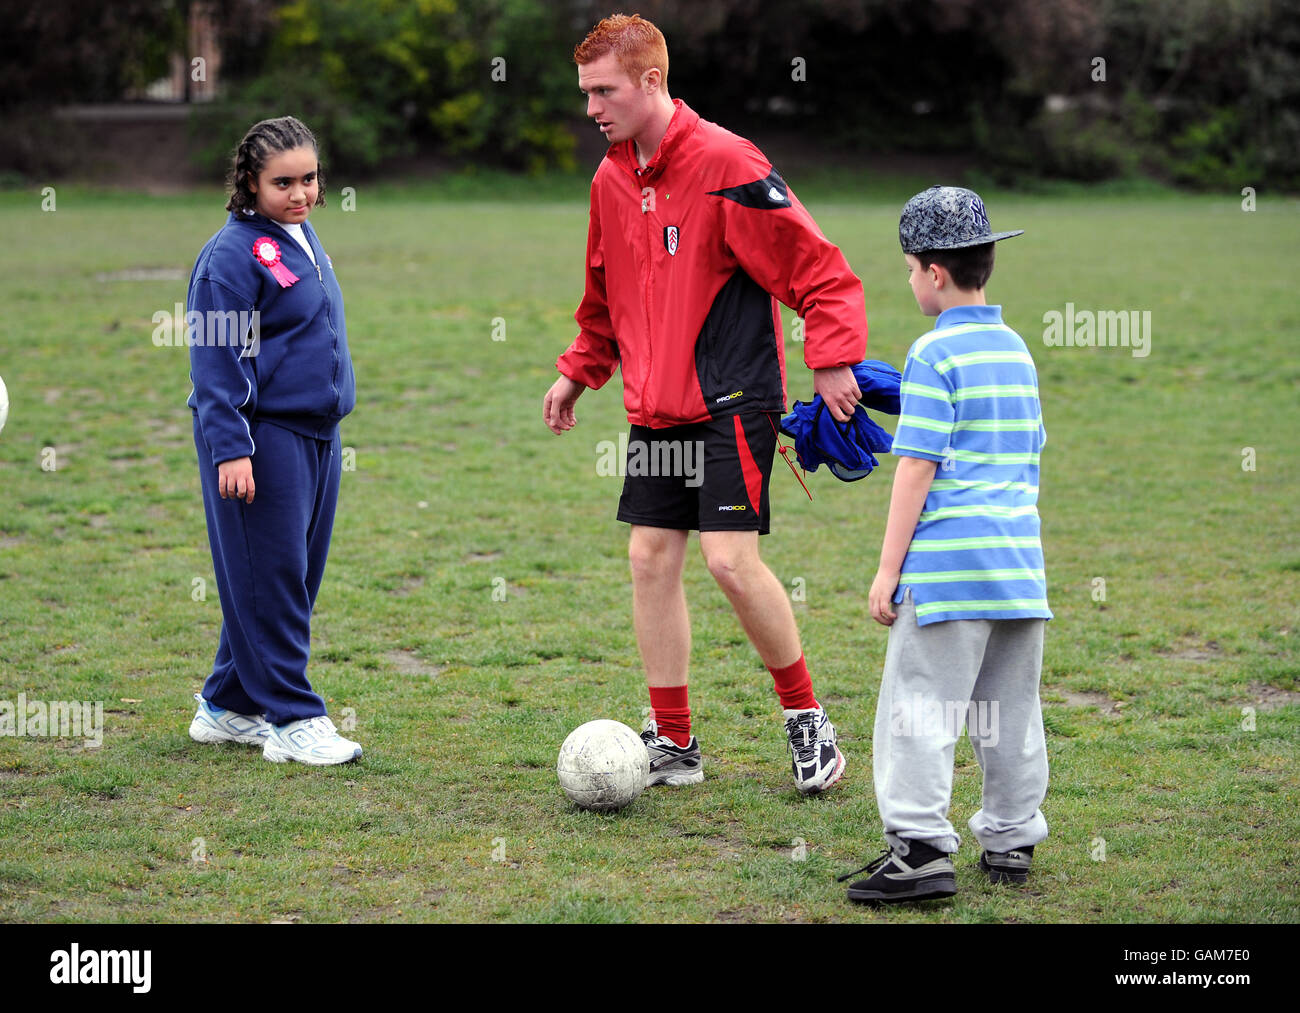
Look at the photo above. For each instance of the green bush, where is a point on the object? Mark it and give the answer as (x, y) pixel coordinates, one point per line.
(1077, 145)
(379, 79)
(1214, 150)
(352, 135)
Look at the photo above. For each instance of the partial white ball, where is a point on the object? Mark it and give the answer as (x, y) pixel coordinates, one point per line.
(603, 765)
(4, 403)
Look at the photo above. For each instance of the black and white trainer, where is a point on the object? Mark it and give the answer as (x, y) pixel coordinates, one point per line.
(924, 873)
(814, 756)
(1007, 866)
(670, 763)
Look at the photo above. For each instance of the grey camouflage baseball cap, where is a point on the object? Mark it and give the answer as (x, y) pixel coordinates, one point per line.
(946, 218)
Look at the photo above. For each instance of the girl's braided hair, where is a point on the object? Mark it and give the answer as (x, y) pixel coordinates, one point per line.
(264, 139)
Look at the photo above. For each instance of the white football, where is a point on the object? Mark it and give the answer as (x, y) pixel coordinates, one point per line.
(603, 765)
(4, 403)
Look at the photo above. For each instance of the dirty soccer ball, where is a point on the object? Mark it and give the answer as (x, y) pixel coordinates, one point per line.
(603, 765)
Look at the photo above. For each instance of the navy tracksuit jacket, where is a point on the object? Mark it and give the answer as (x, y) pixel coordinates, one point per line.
(277, 400)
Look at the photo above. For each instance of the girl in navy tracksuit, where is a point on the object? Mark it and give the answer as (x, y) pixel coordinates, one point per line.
(272, 378)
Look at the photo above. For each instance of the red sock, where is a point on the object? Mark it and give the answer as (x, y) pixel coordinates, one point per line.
(794, 686)
(672, 713)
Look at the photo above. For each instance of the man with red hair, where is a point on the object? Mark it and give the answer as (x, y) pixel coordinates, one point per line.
(693, 239)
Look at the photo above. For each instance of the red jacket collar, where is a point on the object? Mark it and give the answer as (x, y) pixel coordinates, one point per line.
(679, 127)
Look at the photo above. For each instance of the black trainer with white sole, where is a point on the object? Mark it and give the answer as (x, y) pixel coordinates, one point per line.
(1007, 866)
(924, 873)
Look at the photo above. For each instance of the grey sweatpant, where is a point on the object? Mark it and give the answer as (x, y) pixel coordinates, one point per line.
(978, 673)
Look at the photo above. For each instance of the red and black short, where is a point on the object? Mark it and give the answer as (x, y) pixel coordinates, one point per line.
(707, 476)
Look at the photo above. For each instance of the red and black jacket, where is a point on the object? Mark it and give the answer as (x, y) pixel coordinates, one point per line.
(686, 261)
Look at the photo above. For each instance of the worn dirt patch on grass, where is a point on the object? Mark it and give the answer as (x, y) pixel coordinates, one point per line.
(1188, 649)
(1269, 698)
(409, 585)
(1088, 698)
(408, 663)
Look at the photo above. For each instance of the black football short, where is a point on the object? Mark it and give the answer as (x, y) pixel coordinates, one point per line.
(707, 476)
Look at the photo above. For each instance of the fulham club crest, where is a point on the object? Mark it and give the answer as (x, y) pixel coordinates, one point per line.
(670, 240)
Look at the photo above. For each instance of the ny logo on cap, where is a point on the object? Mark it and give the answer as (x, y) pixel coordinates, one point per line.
(979, 215)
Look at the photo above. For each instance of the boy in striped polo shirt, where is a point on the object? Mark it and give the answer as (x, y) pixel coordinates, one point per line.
(960, 583)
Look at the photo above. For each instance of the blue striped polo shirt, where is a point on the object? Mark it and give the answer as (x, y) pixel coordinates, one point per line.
(970, 402)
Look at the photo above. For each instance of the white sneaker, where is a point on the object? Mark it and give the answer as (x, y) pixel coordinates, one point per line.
(212, 724)
(312, 740)
(814, 754)
(670, 763)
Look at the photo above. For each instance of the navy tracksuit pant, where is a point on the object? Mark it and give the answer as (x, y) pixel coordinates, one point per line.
(269, 557)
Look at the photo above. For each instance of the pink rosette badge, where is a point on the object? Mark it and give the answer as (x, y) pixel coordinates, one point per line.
(267, 252)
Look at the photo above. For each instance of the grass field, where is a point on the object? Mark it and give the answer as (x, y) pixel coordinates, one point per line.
(477, 607)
